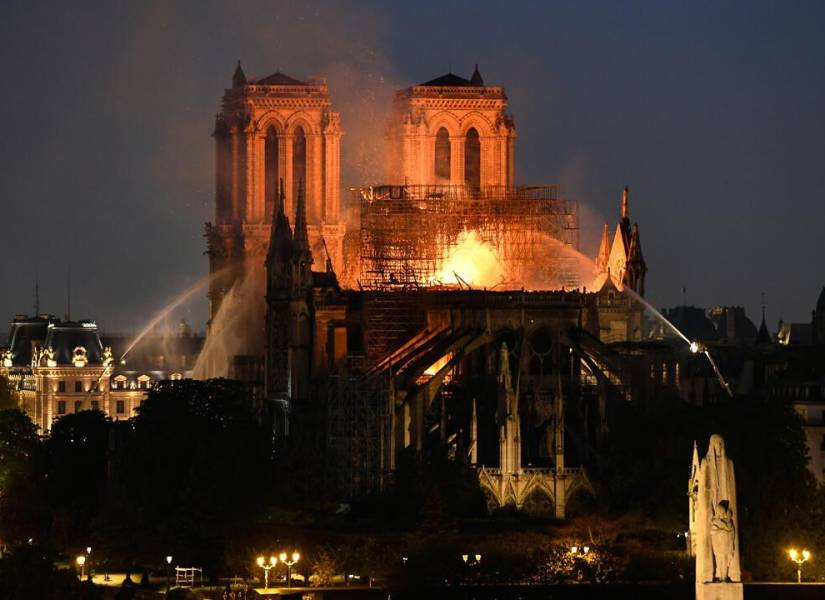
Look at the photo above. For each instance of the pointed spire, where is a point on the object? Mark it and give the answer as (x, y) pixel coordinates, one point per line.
(626, 203)
(301, 236)
(239, 77)
(763, 337)
(634, 255)
(603, 256)
(280, 239)
(476, 78)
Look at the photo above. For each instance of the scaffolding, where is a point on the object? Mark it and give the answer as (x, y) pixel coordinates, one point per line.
(409, 231)
(357, 421)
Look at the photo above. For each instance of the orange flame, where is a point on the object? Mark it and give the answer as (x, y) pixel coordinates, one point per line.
(472, 261)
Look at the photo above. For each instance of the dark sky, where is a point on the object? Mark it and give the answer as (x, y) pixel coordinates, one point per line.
(713, 113)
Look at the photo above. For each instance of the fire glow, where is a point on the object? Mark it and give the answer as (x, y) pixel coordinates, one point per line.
(472, 261)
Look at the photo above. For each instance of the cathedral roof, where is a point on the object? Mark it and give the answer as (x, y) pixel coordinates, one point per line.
(27, 332)
(65, 336)
(452, 80)
(278, 78)
(763, 337)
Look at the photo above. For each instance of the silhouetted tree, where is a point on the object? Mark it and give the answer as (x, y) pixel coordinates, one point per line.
(191, 465)
(21, 507)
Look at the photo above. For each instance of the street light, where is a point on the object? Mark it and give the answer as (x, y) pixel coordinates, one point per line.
(467, 558)
(168, 570)
(295, 558)
(81, 560)
(799, 558)
(266, 567)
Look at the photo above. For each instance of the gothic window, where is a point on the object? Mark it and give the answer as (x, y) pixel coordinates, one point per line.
(299, 162)
(270, 173)
(442, 154)
(472, 160)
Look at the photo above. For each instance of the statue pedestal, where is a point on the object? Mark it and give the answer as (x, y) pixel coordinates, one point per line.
(719, 591)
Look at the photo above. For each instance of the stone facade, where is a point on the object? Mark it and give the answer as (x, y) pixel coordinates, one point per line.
(273, 132)
(451, 130)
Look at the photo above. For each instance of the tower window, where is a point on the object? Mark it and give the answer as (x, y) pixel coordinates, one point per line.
(299, 163)
(442, 154)
(271, 172)
(472, 160)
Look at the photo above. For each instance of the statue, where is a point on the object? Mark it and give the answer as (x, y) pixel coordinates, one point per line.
(715, 530)
(108, 359)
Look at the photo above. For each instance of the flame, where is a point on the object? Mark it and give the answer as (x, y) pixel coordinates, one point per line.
(472, 261)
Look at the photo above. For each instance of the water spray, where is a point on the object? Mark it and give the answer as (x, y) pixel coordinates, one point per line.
(164, 312)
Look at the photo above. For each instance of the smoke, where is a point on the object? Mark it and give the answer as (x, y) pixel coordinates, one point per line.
(238, 327)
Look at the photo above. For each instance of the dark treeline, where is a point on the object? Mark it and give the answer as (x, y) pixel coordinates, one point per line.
(198, 474)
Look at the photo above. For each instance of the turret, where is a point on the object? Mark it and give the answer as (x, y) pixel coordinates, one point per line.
(625, 222)
(239, 77)
(603, 257)
(279, 256)
(301, 252)
(636, 267)
(476, 78)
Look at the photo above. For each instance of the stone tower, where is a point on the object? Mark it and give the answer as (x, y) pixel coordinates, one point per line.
(451, 130)
(270, 130)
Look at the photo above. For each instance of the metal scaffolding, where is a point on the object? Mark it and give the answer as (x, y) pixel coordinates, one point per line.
(407, 232)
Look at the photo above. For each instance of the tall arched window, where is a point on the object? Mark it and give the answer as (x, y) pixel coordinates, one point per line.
(299, 162)
(442, 154)
(270, 173)
(472, 160)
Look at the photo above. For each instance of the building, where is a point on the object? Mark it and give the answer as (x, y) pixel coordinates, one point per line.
(451, 131)
(60, 367)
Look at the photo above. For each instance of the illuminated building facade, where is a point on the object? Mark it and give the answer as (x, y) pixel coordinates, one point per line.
(59, 367)
(272, 135)
(424, 352)
(451, 130)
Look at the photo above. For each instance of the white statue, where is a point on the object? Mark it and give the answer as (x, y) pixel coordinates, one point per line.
(716, 528)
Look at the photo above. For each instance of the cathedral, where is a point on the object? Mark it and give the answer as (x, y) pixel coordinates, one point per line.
(450, 313)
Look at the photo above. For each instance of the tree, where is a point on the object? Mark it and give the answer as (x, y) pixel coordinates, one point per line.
(8, 397)
(193, 464)
(19, 445)
(75, 457)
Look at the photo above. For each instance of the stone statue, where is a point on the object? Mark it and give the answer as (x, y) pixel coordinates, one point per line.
(716, 532)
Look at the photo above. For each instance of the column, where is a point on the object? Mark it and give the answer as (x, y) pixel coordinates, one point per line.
(289, 206)
(457, 160)
(235, 193)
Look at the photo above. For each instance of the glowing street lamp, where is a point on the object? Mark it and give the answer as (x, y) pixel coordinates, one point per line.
(266, 567)
(799, 558)
(468, 559)
(294, 559)
(168, 570)
(81, 560)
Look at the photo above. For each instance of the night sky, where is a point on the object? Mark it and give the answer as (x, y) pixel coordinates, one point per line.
(713, 113)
